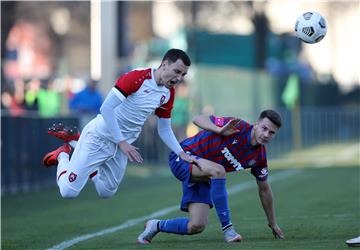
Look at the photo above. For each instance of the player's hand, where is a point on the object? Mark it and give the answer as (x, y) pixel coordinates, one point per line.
(131, 151)
(230, 127)
(277, 232)
(191, 159)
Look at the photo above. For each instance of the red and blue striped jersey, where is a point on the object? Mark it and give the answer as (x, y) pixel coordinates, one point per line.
(233, 152)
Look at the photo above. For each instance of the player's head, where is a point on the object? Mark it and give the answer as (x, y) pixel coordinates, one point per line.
(174, 67)
(266, 126)
(173, 55)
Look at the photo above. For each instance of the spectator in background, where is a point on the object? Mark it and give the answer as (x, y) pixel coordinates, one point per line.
(12, 98)
(31, 94)
(49, 100)
(88, 100)
(9, 104)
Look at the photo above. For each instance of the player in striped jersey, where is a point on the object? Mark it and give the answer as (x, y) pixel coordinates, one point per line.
(225, 145)
(104, 146)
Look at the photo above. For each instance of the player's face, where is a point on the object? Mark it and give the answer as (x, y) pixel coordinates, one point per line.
(264, 131)
(173, 73)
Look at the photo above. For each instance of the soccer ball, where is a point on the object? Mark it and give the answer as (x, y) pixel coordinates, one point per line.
(311, 27)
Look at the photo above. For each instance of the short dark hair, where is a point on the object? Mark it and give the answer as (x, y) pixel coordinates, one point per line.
(272, 115)
(173, 55)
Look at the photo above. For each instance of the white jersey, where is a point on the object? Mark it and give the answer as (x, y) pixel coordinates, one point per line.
(143, 97)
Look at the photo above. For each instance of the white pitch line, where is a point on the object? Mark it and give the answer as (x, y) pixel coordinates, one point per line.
(232, 190)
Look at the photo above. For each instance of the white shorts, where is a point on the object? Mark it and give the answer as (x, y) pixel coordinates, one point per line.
(95, 154)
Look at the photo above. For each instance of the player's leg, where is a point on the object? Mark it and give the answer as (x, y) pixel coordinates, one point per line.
(199, 214)
(209, 169)
(185, 171)
(219, 195)
(198, 218)
(190, 174)
(60, 158)
(65, 176)
(109, 176)
(196, 200)
(69, 134)
(90, 153)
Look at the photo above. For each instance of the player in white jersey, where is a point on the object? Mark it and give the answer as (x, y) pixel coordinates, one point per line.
(104, 147)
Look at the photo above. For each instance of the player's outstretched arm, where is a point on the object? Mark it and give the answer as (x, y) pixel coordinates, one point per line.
(168, 137)
(204, 122)
(230, 127)
(266, 198)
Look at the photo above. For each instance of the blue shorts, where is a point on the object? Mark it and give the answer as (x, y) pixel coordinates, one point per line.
(193, 192)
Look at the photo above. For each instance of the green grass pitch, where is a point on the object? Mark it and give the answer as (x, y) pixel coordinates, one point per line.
(317, 208)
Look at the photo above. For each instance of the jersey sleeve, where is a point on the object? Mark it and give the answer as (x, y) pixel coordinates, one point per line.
(132, 81)
(164, 111)
(221, 121)
(260, 172)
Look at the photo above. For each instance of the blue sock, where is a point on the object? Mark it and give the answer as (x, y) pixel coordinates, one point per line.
(176, 226)
(220, 199)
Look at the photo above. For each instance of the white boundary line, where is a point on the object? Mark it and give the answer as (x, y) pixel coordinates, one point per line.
(232, 190)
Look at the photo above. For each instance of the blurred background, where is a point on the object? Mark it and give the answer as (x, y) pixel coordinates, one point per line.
(59, 59)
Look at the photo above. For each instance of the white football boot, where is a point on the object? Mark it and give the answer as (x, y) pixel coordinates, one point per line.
(355, 242)
(151, 229)
(230, 235)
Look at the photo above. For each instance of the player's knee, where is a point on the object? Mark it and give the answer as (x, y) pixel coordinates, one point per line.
(218, 172)
(68, 193)
(195, 228)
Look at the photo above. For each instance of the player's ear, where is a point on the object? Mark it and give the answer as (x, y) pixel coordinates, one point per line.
(164, 64)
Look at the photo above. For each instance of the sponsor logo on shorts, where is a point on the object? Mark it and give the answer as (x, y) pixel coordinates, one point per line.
(264, 173)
